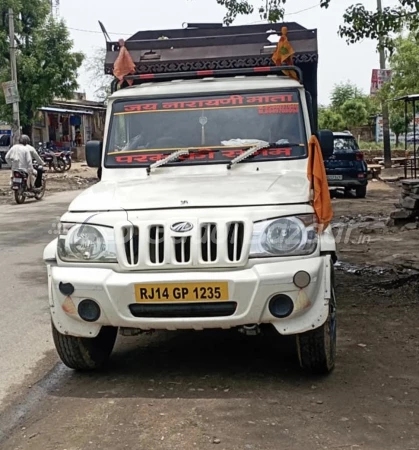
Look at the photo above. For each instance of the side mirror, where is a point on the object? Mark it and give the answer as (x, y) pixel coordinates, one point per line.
(94, 153)
(326, 140)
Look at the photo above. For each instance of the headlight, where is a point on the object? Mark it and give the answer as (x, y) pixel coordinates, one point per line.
(285, 236)
(86, 242)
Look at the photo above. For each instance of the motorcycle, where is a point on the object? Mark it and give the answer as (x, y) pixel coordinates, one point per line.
(66, 155)
(21, 188)
(53, 159)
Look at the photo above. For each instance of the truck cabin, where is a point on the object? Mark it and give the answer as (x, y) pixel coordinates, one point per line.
(168, 104)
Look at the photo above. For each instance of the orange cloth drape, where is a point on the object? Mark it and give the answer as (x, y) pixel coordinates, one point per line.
(283, 55)
(318, 180)
(124, 65)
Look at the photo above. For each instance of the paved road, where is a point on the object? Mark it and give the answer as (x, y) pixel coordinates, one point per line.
(203, 390)
(24, 318)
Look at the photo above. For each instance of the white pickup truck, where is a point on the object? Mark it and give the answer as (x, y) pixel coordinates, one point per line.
(203, 218)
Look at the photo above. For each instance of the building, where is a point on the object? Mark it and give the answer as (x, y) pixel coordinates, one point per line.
(69, 124)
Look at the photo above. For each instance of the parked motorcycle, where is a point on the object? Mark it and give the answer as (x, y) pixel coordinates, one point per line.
(53, 159)
(66, 155)
(21, 188)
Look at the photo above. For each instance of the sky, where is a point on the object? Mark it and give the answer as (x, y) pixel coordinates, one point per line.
(338, 61)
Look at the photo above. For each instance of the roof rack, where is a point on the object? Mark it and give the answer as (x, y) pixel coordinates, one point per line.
(212, 47)
(212, 50)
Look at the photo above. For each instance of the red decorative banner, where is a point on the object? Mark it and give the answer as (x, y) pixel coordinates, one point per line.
(289, 100)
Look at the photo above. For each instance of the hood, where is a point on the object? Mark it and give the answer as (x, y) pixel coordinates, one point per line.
(160, 191)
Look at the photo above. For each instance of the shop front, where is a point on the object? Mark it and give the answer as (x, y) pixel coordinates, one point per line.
(65, 128)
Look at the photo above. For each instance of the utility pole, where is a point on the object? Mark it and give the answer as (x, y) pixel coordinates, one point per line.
(16, 116)
(386, 125)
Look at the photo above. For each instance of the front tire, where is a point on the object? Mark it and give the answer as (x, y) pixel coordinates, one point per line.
(317, 348)
(85, 353)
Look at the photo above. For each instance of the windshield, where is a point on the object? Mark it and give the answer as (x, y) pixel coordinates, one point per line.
(215, 129)
(345, 144)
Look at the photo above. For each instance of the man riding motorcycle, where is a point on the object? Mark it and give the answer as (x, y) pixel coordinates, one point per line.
(20, 157)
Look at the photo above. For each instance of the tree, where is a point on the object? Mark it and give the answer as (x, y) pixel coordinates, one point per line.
(347, 98)
(343, 92)
(47, 66)
(95, 67)
(330, 120)
(358, 22)
(354, 113)
(398, 125)
(404, 63)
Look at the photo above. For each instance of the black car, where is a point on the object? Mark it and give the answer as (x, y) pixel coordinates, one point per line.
(4, 148)
(346, 168)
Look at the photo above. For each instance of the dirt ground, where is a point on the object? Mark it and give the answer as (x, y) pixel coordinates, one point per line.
(78, 177)
(219, 389)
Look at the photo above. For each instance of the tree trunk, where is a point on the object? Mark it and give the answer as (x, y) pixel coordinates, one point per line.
(27, 127)
(397, 140)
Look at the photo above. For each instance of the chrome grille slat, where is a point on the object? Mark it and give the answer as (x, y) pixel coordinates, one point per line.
(209, 237)
(235, 241)
(208, 242)
(236, 233)
(182, 249)
(130, 237)
(156, 244)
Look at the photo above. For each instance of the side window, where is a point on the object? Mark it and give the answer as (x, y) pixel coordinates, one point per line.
(119, 137)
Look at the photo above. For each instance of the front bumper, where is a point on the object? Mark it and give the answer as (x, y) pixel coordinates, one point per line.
(251, 288)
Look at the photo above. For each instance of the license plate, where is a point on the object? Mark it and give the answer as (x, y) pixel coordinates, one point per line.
(335, 177)
(17, 180)
(182, 292)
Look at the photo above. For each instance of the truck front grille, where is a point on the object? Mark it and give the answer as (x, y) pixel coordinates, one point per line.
(209, 244)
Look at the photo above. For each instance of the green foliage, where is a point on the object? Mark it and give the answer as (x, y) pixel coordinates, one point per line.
(404, 63)
(398, 125)
(354, 113)
(358, 22)
(330, 120)
(342, 93)
(47, 66)
(235, 8)
(349, 108)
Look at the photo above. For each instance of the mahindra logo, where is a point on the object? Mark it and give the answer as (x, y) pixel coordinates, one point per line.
(181, 227)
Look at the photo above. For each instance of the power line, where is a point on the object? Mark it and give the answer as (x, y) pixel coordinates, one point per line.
(98, 32)
(302, 10)
(130, 34)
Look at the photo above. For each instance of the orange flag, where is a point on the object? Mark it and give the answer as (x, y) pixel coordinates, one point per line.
(124, 65)
(283, 55)
(318, 179)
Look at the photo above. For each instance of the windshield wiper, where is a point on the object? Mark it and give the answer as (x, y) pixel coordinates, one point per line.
(255, 149)
(246, 154)
(172, 157)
